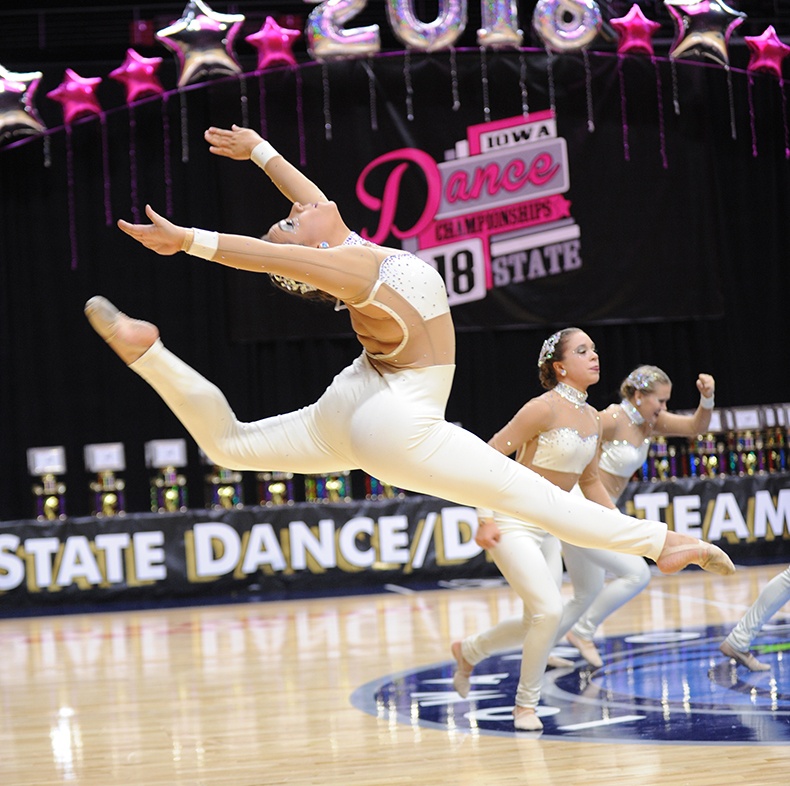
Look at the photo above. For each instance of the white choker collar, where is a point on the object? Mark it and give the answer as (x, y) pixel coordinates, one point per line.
(571, 394)
(634, 415)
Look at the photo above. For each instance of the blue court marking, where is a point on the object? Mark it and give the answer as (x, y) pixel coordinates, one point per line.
(668, 687)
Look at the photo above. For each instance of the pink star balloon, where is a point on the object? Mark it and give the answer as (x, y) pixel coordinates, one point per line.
(766, 52)
(18, 117)
(203, 42)
(77, 95)
(274, 44)
(635, 31)
(703, 28)
(138, 75)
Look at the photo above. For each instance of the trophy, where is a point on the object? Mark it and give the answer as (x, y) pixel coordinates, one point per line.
(168, 488)
(47, 464)
(223, 486)
(105, 460)
(275, 488)
(378, 489)
(328, 487)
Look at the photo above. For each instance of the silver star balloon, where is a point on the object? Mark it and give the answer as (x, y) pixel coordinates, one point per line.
(703, 29)
(203, 42)
(18, 117)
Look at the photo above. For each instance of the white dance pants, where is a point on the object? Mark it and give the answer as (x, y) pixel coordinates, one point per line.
(773, 596)
(391, 426)
(594, 599)
(521, 560)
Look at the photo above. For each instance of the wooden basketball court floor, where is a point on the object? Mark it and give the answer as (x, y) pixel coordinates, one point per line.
(260, 693)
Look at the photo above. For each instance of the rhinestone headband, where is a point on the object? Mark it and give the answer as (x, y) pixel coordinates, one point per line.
(549, 345)
(642, 380)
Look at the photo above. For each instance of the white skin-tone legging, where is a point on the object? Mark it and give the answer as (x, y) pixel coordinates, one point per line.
(521, 560)
(593, 599)
(773, 596)
(392, 426)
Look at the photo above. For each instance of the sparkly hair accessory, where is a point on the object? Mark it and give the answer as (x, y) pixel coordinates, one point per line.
(549, 345)
(642, 379)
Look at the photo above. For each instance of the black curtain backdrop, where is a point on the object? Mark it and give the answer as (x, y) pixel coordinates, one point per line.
(684, 265)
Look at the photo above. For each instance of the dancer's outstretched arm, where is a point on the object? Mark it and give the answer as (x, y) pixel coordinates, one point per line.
(345, 272)
(242, 144)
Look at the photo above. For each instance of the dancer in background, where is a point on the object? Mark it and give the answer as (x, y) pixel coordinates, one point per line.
(385, 413)
(556, 435)
(773, 596)
(628, 428)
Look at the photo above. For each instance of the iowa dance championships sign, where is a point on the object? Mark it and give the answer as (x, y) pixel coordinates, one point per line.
(260, 553)
(530, 218)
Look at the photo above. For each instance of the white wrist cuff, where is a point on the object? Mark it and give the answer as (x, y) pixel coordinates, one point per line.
(204, 243)
(485, 513)
(262, 153)
(706, 402)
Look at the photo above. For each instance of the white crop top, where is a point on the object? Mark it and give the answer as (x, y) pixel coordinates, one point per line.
(564, 450)
(417, 282)
(621, 458)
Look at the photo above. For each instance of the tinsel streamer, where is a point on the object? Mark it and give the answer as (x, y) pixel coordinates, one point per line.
(47, 151)
(327, 101)
(484, 83)
(409, 88)
(550, 79)
(70, 186)
(133, 165)
(300, 118)
(588, 90)
(245, 117)
(749, 87)
(262, 104)
(184, 128)
(374, 121)
(660, 99)
(675, 95)
(522, 83)
(454, 80)
(105, 163)
(624, 116)
(784, 117)
(168, 174)
(733, 130)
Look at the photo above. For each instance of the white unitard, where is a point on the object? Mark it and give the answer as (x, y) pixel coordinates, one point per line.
(388, 421)
(773, 596)
(522, 558)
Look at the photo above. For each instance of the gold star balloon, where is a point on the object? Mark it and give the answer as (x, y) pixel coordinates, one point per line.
(203, 42)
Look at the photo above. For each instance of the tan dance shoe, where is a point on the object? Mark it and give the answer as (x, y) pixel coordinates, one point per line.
(526, 719)
(587, 649)
(463, 671)
(744, 658)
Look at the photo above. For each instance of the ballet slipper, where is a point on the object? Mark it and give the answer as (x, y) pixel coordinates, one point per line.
(526, 719)
(587, 649)
(557, 662)
(463, 671)
(706, 555)
(744, 658)
(128, 338)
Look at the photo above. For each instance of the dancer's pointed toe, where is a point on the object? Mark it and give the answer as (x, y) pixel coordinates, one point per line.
(129, 338)
(587, 649)
(103, 317)
(744, 658)
(709, 557)
(463, 671)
